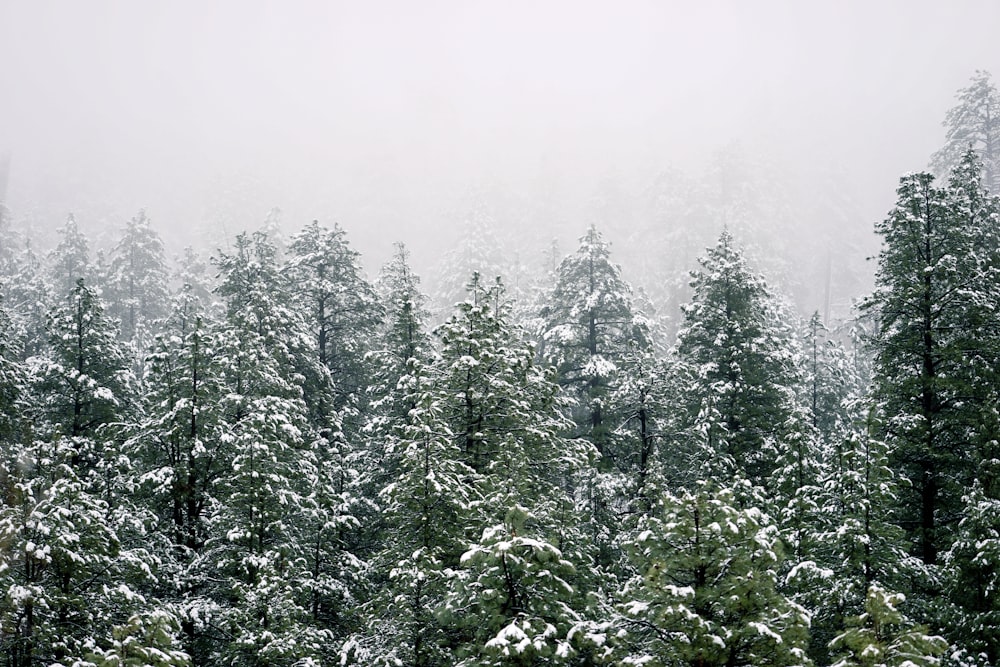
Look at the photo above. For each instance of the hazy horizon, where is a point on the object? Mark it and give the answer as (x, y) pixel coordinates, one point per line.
(388, 117)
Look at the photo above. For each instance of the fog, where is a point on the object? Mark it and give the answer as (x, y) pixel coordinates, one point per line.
(390, 117)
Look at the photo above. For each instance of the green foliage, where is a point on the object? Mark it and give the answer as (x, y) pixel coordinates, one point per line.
(143, 641)
(705, 589)
(935, 341)
(883, 637)
(590, 327)
(736, 370)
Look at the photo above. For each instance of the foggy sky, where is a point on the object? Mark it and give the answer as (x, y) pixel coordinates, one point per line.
(382, 115)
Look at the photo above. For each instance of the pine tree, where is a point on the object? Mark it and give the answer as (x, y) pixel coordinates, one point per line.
(479, 250)
(137, 285)
(403, 337)
(77, 559)
(973, 579)
(327, 284)
(705, 588)
(83, 380)
(403, 343)
(270, 532)
(973, 123)
(854, 543)
(12, 382)
(426, 509)
(70, 259)
(513, 600)
(883, 637)
(61, 574)
(590, 328)
(934, 342)
(737, 369)
(827, 378)
(29, 297)
(149, 640)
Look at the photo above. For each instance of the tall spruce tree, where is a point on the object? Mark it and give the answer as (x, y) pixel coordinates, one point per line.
(737, 372)
(512, 601)
(935, 286)
(590, 327)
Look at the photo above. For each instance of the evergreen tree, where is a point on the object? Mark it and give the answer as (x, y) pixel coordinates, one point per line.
(83, 381)
(403, 337)
(883, 637)
(148, 640)
(590, 328)
(61, 574)
(269, 539)
(853, 542)
(30, 298)
(513, 599)
(403, 341)
(737, 368)
(426, 508)
(70, 259)
(934, 286)
(137, 282)
(193, 270)
(183, 445)
(973, 123)
(705, 588)
(479, 250)
(340, 307)
(77, 562)
(827, 378)
(973, 580)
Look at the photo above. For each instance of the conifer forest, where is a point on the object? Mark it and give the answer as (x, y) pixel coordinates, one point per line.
(257, 454)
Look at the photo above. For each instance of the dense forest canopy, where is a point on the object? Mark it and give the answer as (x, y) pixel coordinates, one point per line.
(256, 455)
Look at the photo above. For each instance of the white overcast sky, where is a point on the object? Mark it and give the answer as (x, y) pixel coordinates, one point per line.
(365, 111)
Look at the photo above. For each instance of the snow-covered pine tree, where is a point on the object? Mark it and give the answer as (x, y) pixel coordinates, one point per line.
(62, 577)
(935, 283)
(590, 327)
(705, 589)
(852, 542)
(827, 377)
(77, 560)
(269, 542)
(29, 298)
(513, 600)
(183, 448)
(737, 373)
(402, 341)
(340, 308)
(479, 250)
(973, 123)
(69, 261)
(426, 510)
(137, 282)
(83, 379)
(883, 637)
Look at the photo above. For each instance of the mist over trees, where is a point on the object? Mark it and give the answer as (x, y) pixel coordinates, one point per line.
(701, 450)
